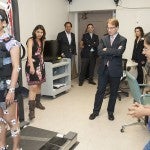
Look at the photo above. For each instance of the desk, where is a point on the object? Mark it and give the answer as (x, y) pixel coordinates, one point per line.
(132, 67)
(58, 78)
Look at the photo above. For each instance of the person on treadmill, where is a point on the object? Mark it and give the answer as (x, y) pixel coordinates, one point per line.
(9, 71)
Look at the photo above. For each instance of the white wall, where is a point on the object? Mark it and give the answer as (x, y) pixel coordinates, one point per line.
(130, 13)
(129, 19)
(135, 3)
(87, 5)
(50, 13)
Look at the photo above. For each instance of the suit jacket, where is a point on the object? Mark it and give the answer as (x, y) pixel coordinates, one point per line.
(137, 55)
(64, 46)
(89, 43)
(113, 55)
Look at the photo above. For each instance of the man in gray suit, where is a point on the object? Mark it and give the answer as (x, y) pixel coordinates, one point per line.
(110, 71)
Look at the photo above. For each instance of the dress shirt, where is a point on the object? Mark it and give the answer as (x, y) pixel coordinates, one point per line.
(112, 38)
(91, 34)
(68, 37)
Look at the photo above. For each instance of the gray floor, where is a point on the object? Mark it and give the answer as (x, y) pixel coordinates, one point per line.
(70, 112)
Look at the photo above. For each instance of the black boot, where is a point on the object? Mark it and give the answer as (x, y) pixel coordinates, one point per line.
(31, 109)
(38, 103)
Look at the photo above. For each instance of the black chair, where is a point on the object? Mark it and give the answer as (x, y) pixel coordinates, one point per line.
(123, 80)
(146, 76)
(138, 97)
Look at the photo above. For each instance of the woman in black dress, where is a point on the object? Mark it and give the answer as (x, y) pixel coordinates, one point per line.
(137, 55)
(35, 69)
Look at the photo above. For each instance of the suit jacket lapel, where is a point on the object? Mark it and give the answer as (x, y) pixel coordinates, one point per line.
(72, 37)
(90, 36)
(65, 36)
(108, 41)
(116, 40)
(139, 42)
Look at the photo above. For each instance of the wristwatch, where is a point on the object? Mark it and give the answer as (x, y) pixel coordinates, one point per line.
(11, 90)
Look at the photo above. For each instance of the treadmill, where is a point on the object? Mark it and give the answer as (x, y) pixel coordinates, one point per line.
(33, 138)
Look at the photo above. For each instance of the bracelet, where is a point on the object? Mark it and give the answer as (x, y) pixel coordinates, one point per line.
(11, 90)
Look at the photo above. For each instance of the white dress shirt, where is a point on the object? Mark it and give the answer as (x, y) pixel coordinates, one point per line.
(68, 37)
(91, 34)
(112, 38)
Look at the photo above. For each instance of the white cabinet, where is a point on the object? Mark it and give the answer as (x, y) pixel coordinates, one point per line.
(58, 78)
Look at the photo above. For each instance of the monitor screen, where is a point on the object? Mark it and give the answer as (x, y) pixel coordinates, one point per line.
(51, 50)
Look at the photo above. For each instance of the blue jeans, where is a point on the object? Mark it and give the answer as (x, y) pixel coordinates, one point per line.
(147, 146)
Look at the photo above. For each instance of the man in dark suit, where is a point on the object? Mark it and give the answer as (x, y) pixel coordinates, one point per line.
(66, 41)
(89, 45)
(112, 47)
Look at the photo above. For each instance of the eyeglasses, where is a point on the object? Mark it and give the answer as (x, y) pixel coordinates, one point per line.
(145, 49)
(111, 28)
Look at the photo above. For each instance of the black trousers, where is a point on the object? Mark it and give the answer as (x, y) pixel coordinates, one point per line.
(102, 83)
(87, 64)
(139, 73)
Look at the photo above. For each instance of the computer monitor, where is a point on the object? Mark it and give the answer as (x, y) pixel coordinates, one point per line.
(51, 52)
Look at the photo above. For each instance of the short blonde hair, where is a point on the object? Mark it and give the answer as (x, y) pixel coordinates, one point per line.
(113, 21)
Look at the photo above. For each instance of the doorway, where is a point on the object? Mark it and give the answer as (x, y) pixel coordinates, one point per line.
(98, 19)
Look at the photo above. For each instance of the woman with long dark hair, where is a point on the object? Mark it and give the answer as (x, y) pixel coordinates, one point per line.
(137, 55)
(35, 68)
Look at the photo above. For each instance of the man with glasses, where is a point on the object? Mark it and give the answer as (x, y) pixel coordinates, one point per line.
(110, 71)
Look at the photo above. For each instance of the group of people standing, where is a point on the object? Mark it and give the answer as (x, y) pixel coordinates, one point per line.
(89, 45)
(111, 48)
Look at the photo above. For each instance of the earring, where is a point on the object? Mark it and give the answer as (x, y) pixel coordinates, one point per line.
(4, 24)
